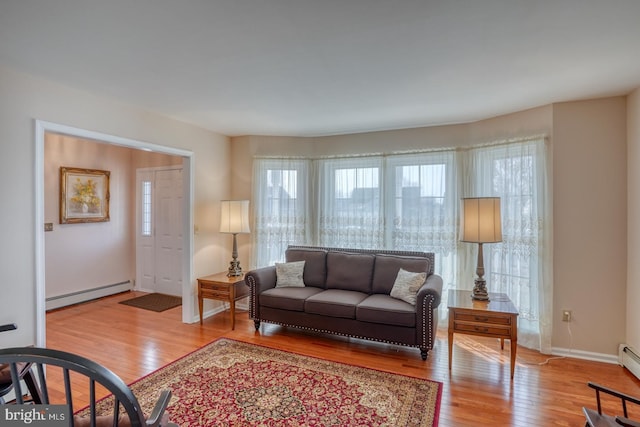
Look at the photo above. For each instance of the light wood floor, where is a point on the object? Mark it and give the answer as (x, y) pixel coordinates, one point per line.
(477, 392)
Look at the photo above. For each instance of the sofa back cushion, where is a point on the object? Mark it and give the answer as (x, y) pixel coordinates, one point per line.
(350, 271)
(387, 266)
(315, 266)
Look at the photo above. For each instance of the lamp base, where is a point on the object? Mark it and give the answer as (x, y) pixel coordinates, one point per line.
(234, 269)
(480, 290)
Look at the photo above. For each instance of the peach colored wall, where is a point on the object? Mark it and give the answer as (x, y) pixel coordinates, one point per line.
(148, 159)
(393, 140)
(633, 220)
(590, 217)
(536, 121)
(73, 260)
(87, 256)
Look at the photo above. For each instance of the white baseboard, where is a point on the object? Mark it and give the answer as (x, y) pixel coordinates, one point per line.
(585, 355)
(86, 295)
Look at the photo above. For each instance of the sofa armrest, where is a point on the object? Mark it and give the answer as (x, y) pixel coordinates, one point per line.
(433, 287)
(261, 278)
(258, 281)
(428, 300)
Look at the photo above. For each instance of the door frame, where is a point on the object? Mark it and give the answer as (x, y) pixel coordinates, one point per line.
(42, 127)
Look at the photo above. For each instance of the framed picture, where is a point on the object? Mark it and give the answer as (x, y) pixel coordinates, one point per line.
(84, 195)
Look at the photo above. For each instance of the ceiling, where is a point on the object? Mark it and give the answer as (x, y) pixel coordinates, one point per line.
(322, 67)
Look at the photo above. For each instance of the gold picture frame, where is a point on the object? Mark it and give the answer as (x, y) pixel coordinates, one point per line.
(84, 195)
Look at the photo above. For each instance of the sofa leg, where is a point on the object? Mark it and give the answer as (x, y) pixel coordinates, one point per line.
(424, 353)
(257, 324)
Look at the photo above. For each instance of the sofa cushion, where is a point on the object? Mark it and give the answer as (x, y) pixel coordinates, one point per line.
(287, 298)
(407, 285)
(315, 268)
(289, 274)
(334, 303)
(379, 308)
(387, 266)
(350, 271)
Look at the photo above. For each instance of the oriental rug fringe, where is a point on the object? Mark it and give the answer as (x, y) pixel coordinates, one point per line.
(231, 383)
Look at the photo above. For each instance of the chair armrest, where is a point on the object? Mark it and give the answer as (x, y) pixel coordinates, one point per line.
(622, 396)
(615, 393)
(159, 409)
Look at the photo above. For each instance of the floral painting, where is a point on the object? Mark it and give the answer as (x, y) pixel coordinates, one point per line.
(84, 195)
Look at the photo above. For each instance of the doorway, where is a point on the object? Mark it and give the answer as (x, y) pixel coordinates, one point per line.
(159, 239)
(186, 222)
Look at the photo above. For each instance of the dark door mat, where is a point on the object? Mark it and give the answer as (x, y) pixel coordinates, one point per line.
(154, 302)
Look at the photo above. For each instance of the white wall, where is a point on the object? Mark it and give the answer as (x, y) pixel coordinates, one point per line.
(633, 220)
(24, 99)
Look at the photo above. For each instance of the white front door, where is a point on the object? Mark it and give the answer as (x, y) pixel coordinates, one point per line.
(160, 240)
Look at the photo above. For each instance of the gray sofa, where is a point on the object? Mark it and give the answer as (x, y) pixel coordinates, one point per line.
(347, 292)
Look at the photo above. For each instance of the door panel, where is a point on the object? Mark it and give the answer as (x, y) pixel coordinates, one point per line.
(159, 246)
(168, 242)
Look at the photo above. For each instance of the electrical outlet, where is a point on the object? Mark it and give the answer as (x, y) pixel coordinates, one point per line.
(566, 315)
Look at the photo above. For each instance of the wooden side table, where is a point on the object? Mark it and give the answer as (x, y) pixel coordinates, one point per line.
(496, 318)
(222, 288)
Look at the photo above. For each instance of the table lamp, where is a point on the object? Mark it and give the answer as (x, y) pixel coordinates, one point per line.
(480, 223)
(234, 219)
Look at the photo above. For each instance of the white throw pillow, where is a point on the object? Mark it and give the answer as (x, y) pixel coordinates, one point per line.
(289, 274)
(407, 285)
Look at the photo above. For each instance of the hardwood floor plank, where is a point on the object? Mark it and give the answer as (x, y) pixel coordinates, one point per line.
(134, 342)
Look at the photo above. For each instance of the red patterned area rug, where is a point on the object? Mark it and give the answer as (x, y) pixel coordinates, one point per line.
(231, 383)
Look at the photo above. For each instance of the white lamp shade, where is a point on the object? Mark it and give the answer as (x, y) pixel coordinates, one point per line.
(480, 220)
(234, 216)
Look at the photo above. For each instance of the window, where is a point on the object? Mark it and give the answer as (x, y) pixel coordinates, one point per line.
(516, 266)
(146, 209)
(280, 205)
(350, 203)
(424, 207)
(411, 202)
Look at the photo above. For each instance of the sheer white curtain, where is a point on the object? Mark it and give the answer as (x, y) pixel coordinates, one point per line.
(351, 203)
(521, 265)
(281, 207)
(411, 202)
(422, 204)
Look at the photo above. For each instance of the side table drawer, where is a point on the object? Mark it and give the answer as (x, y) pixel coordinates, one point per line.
(482, 318)
(486, 329)
(215, 293)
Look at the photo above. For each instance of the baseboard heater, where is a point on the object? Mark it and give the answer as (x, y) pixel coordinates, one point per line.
(629, 359)
(87, 295)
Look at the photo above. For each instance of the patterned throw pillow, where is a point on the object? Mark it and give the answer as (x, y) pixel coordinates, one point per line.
(407, 285)
(289, 274)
